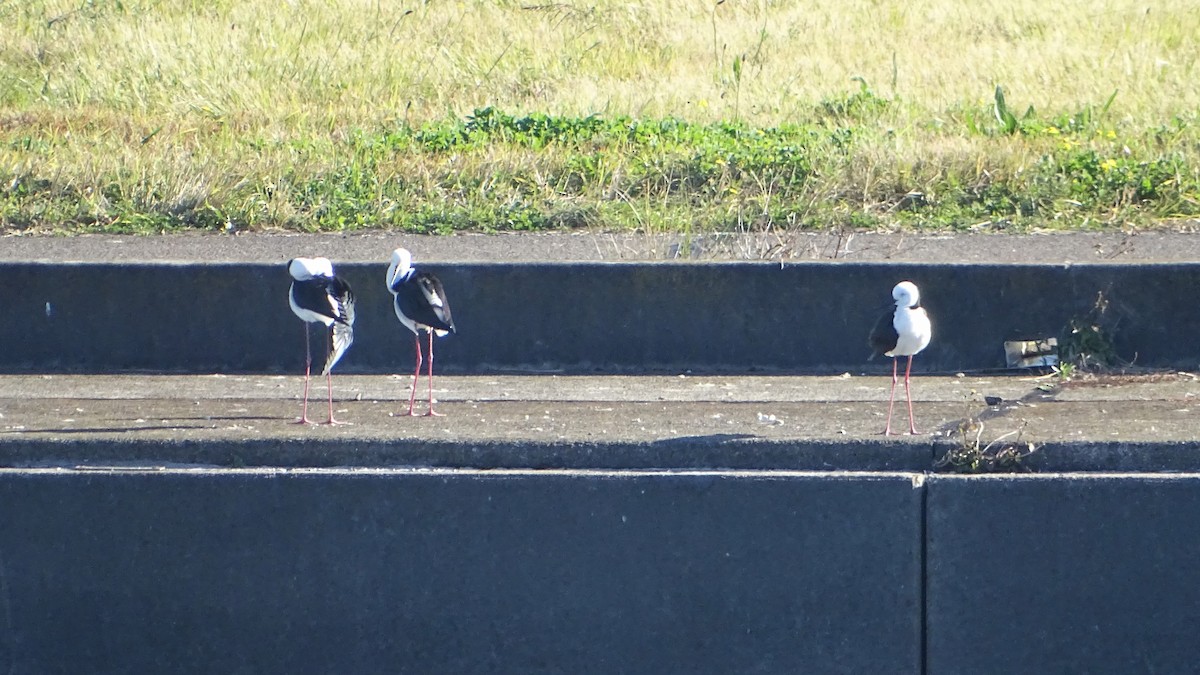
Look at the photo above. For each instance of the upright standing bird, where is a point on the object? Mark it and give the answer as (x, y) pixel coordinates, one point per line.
(421, 305)
(904, 331)
(318, 296)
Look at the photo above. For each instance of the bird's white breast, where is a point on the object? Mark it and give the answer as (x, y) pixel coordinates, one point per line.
(914, 331)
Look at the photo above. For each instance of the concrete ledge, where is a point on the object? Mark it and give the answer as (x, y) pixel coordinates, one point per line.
(458, 572)
(1120, 423)
(583, 317)
(1061, 247)
(680, 453)
(1063, 573)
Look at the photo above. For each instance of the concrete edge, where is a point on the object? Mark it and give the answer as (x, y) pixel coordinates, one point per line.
(917, 479)
(682, 454)
(668, 454)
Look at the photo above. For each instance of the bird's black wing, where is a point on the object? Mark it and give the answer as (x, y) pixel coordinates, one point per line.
(431, 286)
(423, 300)
(884, 337)
(343, 325)
(339, 290)
(312, 295)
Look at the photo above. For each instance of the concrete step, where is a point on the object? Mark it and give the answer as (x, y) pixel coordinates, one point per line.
(1109, 423)
(366, 246)
(695, 522)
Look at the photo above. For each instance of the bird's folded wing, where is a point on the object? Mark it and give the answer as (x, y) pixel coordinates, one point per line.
(343, 335)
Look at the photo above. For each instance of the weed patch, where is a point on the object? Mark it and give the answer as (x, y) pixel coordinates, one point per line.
(1086, 345)
(970, 455)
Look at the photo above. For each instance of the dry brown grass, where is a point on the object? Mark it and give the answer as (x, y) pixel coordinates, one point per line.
(198, 97)
(311, 63)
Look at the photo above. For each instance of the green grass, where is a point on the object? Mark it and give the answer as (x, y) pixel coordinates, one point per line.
(160, 115)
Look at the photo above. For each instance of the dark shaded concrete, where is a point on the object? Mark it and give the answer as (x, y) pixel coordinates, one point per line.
(1114, 456)
(696, 452)
(458, 572)
(587, 317)
(1063, 574)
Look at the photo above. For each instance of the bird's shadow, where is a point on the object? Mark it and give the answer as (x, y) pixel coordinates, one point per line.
(105, 430)
(230, 418)
(706, 439)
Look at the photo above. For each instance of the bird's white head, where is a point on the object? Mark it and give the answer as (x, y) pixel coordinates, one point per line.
(400, 267)
(906, 294)
(303, 269)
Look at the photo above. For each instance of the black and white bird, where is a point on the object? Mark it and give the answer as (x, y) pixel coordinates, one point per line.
(319, 296)
(421, 305)
(903, 331)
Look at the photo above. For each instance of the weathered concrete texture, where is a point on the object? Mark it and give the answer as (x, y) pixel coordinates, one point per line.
(490, 422)
(1063, 574)
(763, 389)
(376, 246)
(458, 572)
(1118, 423)
(584, 317)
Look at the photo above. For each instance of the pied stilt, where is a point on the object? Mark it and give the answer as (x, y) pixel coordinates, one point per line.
(903, 331)
(318, 296)
(421, 305)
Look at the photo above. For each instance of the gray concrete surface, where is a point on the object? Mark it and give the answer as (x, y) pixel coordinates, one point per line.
(807, 317)
(1063, 574)
(1126, 423)
(400, 571)
(363, 247)
(692, 522)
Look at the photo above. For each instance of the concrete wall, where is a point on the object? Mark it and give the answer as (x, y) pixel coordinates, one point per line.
(596, 572)
(610, 317)
(1064, 574)
(458, 572)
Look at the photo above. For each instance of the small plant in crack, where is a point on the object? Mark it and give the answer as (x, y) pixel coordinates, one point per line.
(1065, 370)
(971, 455)
(1088, 343)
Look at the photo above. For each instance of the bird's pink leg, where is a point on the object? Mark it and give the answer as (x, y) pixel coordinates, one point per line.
(412, 397)
(431, 413)
(329, 381)
(891, 399)
(912, 427)
(329, 388)
(307, 369)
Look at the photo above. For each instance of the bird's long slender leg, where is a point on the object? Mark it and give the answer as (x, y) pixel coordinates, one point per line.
(329, 378)
(307, 370)
(431, 412)
(912, 427)
(891, 400)
(412, 397)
